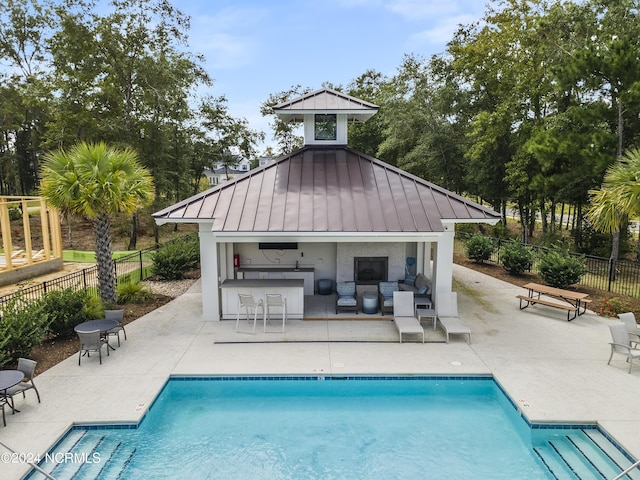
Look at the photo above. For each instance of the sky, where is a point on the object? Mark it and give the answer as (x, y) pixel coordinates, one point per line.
(254, 48)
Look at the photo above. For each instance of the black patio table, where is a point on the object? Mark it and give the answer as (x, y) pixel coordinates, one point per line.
(9, 378)
(102, 324)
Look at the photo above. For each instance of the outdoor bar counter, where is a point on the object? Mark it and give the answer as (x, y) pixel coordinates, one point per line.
(293, 291)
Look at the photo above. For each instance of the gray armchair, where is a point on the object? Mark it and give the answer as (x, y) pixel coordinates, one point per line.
(346, 299)
(385, 295)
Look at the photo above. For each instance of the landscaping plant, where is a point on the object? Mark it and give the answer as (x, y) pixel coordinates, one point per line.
(611, 307)
(65, 309)
(22, 326)
(560, 269)
(515, 257)
(480, 248)
(174, 259)
(133, 292)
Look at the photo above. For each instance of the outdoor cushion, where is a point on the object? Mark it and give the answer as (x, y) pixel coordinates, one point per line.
(387, 289)
(410, 280)
(347, 302)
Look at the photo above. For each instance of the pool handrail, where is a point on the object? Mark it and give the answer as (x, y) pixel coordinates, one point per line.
(29, 462)
(627, 470)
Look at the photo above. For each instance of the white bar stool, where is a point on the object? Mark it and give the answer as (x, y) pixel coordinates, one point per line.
(279, 303)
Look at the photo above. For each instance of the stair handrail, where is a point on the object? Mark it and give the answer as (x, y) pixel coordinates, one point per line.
(27, 461)
(622, 474)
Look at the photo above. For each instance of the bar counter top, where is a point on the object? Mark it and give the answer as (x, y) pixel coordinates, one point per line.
(260, 283)
(276, 269)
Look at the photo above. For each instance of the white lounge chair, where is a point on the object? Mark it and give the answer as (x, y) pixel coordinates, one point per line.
(622, 344)
(403, 315)
(447, 310)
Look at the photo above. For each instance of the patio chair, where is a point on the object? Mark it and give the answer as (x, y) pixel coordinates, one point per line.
(250, 309)
(447, 312)
(629, 320)
(403, 315)
(385, 294)
(91, 342)
(117, 315)
(346, 298)
(622, 344)
(27, 367)
(278, 302)
(3, 402)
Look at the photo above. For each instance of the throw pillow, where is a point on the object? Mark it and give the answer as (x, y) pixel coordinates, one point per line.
(423, 290)
(410, 280)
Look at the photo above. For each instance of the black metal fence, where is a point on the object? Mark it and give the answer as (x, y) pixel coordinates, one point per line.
(130, 268)
(621, 277)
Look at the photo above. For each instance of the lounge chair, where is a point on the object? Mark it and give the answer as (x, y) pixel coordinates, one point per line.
(27, 367)
(629, 320)
(622, 344)
(346, 298)
(447, 310)
(403, 315)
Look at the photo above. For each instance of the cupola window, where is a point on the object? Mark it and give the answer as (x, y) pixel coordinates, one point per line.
(326, 126)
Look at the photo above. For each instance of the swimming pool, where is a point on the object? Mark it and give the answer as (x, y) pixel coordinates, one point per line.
(334, 428)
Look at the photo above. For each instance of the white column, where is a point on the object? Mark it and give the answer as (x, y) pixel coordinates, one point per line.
(209, 273)
(443, 265)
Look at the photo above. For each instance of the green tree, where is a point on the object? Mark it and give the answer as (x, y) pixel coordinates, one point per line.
(284, 133)
(619, 195)
(97, 181)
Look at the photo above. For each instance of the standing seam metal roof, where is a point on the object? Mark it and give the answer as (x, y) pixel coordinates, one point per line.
(327, 189)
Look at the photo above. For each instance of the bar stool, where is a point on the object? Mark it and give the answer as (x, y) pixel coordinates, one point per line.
(250, 308)
(279, 303)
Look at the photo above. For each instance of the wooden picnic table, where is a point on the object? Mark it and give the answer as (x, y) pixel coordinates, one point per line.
(577, 301)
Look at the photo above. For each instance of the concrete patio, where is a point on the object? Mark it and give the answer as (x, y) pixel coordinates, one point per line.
(553, 369)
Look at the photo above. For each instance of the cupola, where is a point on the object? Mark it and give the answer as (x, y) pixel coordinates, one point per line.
(325, 114)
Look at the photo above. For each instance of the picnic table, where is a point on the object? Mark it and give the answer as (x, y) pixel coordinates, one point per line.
(576, 302)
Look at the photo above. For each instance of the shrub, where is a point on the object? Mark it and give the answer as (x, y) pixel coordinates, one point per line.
(516, 258)
(560, 269)
(479, 248)
(611, 307)
(93, 307)
(133, 293)
(175, 259)
(22, 326)
(65, 309)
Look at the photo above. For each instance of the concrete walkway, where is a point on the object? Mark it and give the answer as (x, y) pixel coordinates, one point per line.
(553, 369)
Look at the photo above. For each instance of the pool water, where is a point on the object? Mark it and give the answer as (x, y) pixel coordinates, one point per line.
(374, 428)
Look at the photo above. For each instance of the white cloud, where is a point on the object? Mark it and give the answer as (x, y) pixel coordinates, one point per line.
(420, 9)
(228, 39)
(441, 32)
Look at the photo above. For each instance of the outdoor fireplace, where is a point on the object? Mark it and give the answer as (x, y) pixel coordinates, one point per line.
(370, 270)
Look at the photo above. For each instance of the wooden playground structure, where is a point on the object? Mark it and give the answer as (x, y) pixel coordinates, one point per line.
(29, 249)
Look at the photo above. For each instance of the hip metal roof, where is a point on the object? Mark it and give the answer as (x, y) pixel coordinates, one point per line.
(327, 189)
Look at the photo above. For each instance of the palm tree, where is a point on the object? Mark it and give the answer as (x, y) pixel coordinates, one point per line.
(97, 181)
(619, 196)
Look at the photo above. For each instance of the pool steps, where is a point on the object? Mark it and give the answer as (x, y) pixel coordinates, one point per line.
(114, 458)
(583, 454)
(574, 454)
